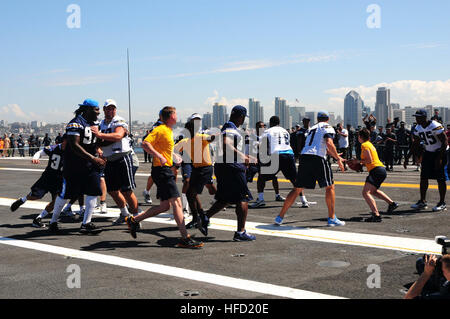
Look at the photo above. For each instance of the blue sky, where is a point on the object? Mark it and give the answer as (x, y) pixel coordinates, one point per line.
(191, 54)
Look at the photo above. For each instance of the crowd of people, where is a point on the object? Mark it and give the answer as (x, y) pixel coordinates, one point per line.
(9, 144)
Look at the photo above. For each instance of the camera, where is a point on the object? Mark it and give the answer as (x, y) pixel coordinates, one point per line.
(437, 285)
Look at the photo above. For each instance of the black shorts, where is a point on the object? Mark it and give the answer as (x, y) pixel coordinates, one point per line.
(166, 186)
(200, 177)
(428, 169)
(377, 176)
(231, 184)
(286, 164)
(85, 181)
(252, 170)
(119, 175)
(314, 169)
(48, 183)
(186, 170)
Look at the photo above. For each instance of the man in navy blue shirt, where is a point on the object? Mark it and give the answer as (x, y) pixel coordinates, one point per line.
(230, 171)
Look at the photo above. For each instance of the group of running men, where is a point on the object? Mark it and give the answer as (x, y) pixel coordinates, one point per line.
(91, 149)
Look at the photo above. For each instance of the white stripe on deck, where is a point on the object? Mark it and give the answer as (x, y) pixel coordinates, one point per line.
(415, 245)
(209, 278)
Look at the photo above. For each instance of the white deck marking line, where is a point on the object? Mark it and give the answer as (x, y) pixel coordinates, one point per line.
(415, 245)
(209, 278)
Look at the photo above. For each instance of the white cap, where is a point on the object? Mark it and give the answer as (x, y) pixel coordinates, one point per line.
(110, 102)
(195, 116)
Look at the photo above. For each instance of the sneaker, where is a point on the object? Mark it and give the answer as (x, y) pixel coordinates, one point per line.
(203, 224)
(81, 212)
(278, 220)
(258, 203)
(279, 198)
(148, 199)
(392, 207)
(53, 228)
(303, 204)
(132, 226)
(440, 207)
(373, 219)
(119, 221)
(335, 222)
(103, 209)
(67, 212)
(37, 223)
(420, 205)
(189, 243)
(15, 206)
(90, 229)
(243, 237)
(192, 224)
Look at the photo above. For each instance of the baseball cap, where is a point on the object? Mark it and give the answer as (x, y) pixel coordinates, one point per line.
(194, 116)
(110, 102)
(239, 110)
(89, 102)
(421, 113)
(323, 115)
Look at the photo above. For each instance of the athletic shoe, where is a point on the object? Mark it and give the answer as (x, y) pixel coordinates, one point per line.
(148, 199)
(192, 224)
(279, 198)
(90, 229)
(15, 206)
(203, 224)
(392, 207)
(53, 228)
(132, 226)
(67, 212)
(440, 207)
(258, 203)
(189, 243)
(420, 205)
(335, 222)
(243, 237)
(81, 212)
(303, 204)
(37, 223)
(278, 220)
(119, 221)
(373, 219)
(103, 209)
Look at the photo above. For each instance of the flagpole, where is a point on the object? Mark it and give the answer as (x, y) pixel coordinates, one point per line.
(129, 93)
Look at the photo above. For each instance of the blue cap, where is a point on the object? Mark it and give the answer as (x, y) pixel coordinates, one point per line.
(239, 110)
(90, 102)
(323, 115)
(421, 113)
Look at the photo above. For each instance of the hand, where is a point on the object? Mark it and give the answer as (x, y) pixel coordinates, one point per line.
(250, 160)
(340, 162)
(94, 130)
(430, 264)
(163, 160)
(98, 161)
(177, 159)
(36, 161)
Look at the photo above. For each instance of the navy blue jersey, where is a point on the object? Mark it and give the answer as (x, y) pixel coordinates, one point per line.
(55, 159)
(79, 126)
(230, 130)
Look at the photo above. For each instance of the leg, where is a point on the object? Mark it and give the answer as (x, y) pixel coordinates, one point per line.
(442, 190)
(367, 192)
(423, 189)
(276, 186)
(131, 200)
(290, 200)
(330, 199)
(241, 214)
(103, 187)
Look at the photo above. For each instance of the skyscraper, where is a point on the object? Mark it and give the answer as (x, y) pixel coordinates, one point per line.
(255, 112)
(297, 113)
(219, 115)
(282, 111)
(207, 120)
(383, 108)
(353, 109)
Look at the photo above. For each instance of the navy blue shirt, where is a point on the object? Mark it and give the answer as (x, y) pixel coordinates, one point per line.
(55, 159)
(230, 130)
(79, 126)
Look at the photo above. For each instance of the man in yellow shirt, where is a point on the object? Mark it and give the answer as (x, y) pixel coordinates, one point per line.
(377, 175)
(159, 143)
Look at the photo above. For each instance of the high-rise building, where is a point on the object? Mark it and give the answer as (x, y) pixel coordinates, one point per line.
(312, 115)
(207, 120)
(353, 109)
(256, 113)
(401, 114)
(219, 115)
(383, 108)
(409, 112)
(282, 111)
(395, 106)
(297, 113)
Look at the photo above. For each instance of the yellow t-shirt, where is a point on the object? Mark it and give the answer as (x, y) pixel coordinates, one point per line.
(161, 139)
(197, 149)
(373, 152)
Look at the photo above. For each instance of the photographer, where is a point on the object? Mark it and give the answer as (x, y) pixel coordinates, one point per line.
(416, 290)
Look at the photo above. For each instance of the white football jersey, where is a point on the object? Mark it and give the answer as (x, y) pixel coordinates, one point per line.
(429, 135)
(315, 142)
(279, 140)
(118, 148)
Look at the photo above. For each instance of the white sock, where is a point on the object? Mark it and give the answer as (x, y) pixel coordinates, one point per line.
(24, 199)
(91, 202)
(260, 196)
(147, 192)
(43, 214)
(124, 212)
(59, 204)
(184, 200)
(84, 207)
(303, 199)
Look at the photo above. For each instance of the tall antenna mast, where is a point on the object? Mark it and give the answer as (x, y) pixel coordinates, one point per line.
(129, 93)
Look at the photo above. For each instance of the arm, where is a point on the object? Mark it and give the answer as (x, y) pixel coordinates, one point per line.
(417, 287)
(331, 149)
(228, 143)
(37, 156)
(367, 158)
(74, 144)
(151, 150)
(119, 133)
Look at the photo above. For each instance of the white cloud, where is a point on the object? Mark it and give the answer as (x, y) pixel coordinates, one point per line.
(406, 92)
(14, 112)
(224, 101)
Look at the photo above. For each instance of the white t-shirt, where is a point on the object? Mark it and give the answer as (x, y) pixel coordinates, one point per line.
(279, 140)
(121, 147)
(343, 141)
(429, 135)
(315, 142)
